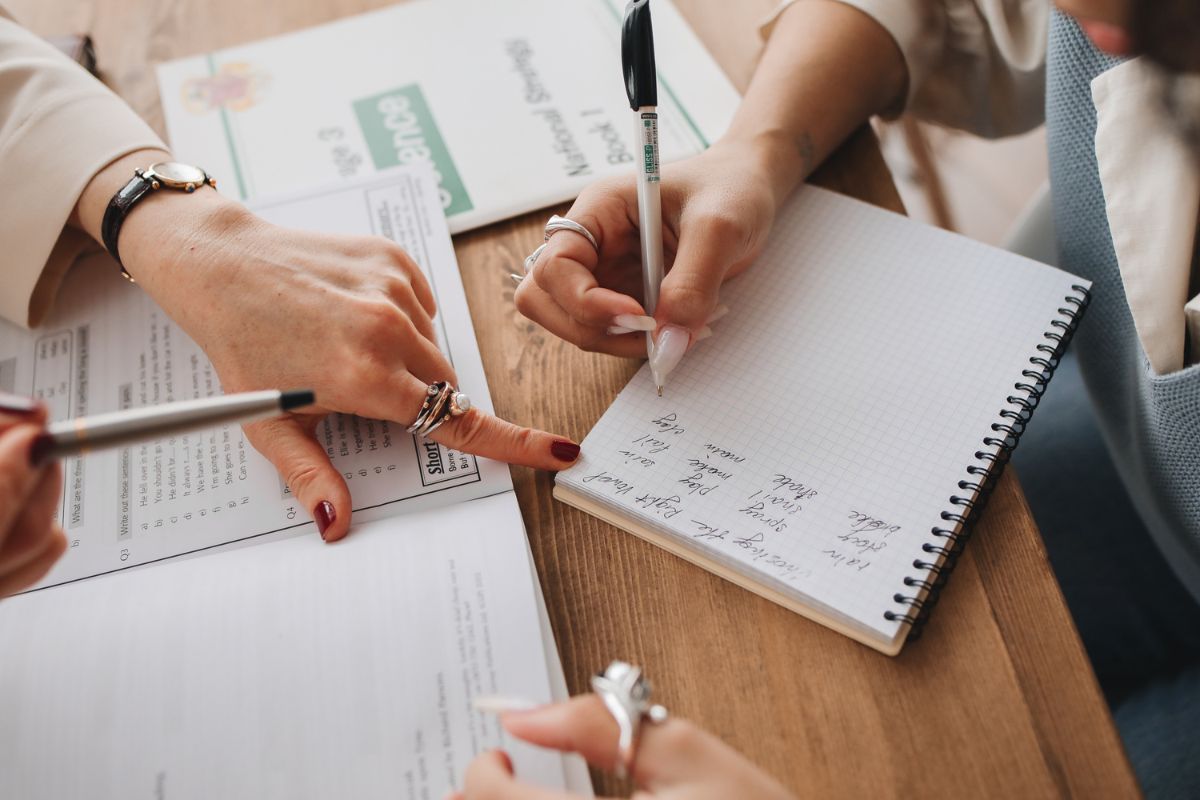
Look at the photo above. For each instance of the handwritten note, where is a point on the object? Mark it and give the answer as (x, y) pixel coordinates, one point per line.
(812, 444)
(756, 508)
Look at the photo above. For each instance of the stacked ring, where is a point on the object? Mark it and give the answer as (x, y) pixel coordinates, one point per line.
(442, 401)
(626, 695)
(553, 226)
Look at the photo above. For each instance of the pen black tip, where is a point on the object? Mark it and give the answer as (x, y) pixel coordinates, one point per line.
(297, 399)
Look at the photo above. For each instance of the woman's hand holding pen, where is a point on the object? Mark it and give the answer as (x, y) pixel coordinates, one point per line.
(675, 760)
(30, 540)
(717, 209)
(349, 317)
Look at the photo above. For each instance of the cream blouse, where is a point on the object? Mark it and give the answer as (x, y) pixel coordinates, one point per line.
(59, 126)
(979, 65)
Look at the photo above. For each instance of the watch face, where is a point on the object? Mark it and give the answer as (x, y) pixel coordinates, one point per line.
(172, 173)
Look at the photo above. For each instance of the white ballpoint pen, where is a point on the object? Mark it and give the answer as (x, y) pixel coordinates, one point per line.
(641, 85)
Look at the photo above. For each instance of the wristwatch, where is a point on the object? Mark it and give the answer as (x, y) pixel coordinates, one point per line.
(164, 174)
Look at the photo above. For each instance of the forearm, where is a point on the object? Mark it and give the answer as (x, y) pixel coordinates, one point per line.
(826, 70)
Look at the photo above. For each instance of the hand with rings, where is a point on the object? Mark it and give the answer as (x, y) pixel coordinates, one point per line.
(349, 316)
(618, 729)
(585, 283)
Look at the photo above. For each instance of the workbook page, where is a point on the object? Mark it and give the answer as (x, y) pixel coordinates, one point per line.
(107, 346)
(815, 439)
(295, 670)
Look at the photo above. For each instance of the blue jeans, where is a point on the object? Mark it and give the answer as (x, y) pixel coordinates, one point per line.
(1140, 626)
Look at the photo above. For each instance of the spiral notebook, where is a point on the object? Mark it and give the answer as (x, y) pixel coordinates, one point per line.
(829, 447)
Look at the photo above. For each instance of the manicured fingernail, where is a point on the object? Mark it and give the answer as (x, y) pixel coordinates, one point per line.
(669, 347)
(635, 322)
(617, 330)
(504, 758)
(325, 515)
(703, 333)
(40, 449)
(500, 704)
(16, 404)
(564, 450)
(717, 313)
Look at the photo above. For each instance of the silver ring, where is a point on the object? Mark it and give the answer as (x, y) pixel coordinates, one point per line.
(441, 402)
(431, 392)
(553, 226)
(558, 223)
(532, 258)
(626, 695)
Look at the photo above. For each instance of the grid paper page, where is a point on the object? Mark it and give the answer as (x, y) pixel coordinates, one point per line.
(813, 442)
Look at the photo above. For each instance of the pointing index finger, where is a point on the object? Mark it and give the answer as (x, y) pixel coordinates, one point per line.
(491, 437)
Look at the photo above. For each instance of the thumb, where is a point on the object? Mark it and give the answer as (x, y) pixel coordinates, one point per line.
(288, 442)
(707, 251)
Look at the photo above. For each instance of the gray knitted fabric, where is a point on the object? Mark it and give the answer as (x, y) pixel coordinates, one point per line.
(1151, 423)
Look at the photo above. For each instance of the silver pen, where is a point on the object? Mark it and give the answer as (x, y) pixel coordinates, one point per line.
(122, 428)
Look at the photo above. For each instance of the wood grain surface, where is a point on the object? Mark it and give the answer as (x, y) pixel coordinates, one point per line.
(996, 700)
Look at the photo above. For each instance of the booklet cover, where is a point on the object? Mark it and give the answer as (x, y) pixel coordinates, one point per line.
(516, 105)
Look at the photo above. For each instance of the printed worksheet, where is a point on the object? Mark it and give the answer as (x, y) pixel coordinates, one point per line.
(107, 346)
(283, 672)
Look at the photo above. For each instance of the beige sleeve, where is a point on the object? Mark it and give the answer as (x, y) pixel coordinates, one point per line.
(58, 127)
(976, 65)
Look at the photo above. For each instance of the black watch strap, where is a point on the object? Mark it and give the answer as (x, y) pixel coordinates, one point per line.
(118, 209)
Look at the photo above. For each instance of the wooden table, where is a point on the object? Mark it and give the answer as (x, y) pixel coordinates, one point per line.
(997, 699)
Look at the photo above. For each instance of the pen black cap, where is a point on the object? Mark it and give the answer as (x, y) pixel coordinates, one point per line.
(637, 55)
(296, 398)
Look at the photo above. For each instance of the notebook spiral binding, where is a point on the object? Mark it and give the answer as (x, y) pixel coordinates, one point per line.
(941, 555)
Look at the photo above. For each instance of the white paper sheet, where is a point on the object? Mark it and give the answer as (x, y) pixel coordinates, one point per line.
(287, 670)
(575, 769)
(517, 104)
(108, 346)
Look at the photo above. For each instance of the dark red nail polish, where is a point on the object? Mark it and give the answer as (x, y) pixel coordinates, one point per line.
(16, 404)
(39, 451)
(325, 515)
(564, 451)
